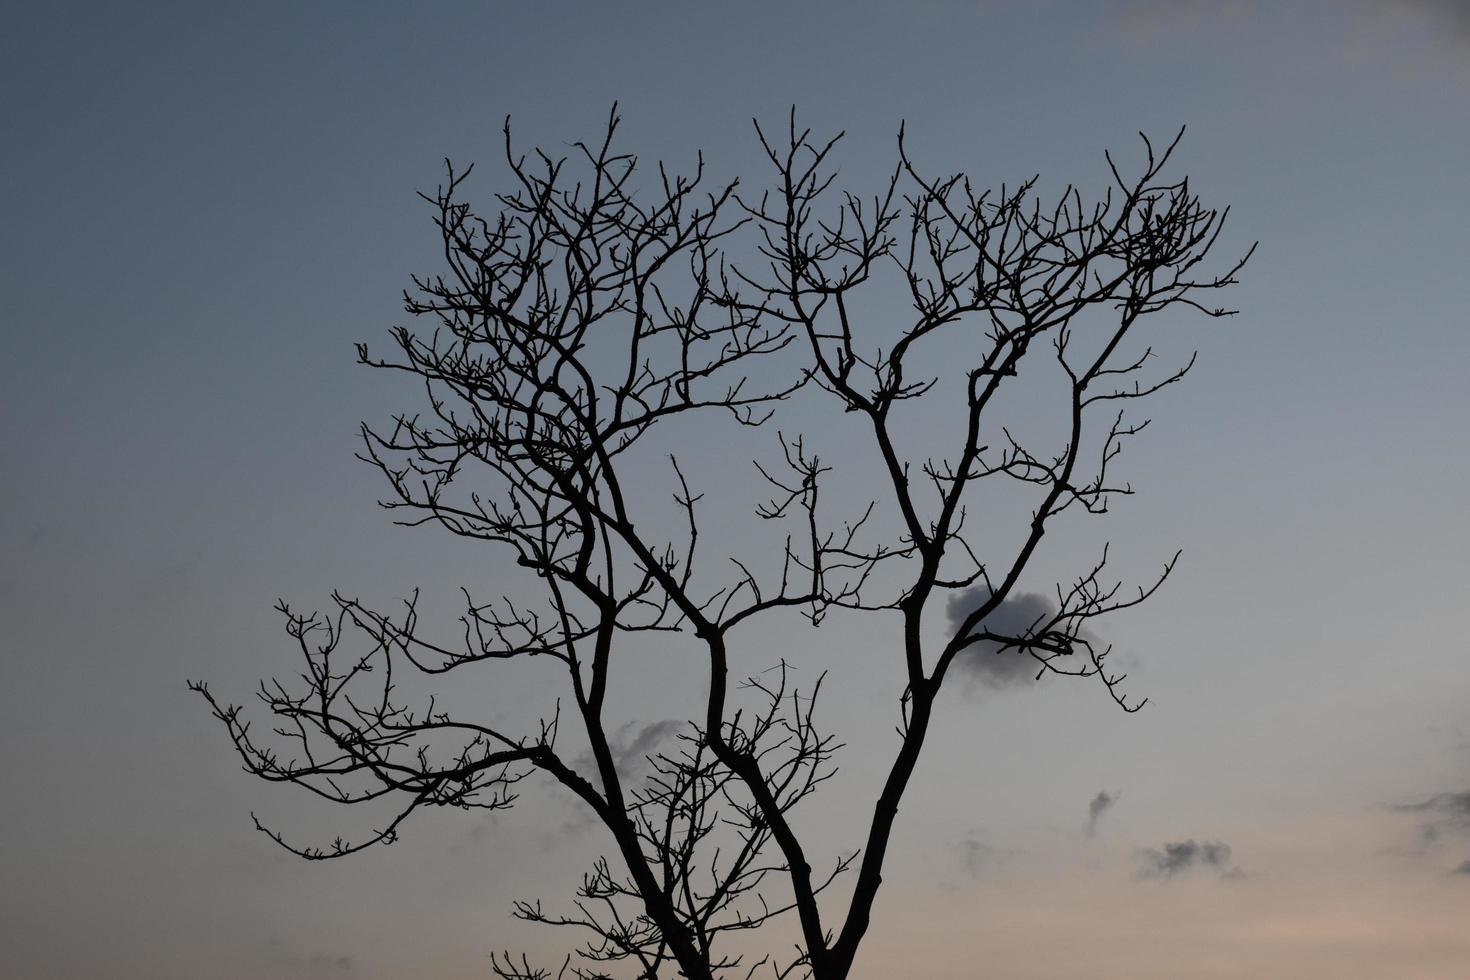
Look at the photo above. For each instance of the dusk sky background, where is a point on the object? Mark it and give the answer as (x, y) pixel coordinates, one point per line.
(206, 205)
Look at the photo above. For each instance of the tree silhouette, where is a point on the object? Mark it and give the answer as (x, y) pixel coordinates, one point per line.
(595, 305)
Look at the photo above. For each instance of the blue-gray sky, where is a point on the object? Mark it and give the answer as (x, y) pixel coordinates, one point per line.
(204, 206)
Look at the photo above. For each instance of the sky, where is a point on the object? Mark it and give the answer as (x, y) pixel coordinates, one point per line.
(205, 206)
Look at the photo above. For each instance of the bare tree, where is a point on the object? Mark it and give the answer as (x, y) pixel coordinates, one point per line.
(593, 306)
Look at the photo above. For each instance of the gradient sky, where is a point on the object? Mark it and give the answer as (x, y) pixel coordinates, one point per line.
(204, 206)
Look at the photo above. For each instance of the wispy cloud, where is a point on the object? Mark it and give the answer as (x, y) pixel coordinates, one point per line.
(1178, 857)
(1454, 14)
(631, 744)
(1451, 809)
(979, 859)
(290, 963)
(646, 738)
(1161, 20)
(1099, 805)
(1169, 21)
(1442, 814)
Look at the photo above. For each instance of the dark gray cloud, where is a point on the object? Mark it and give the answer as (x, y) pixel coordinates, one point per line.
(1452, 809)
(989, 663)
(1180, 856)
(1463, 869)
(631, 745)
(477, 832)
(1100, 804)
(979, 859)
(282, 960)
(1163, 20)
(1446, 814)
(168, 581)
(646, 738)
(322, 963)
(1455, 14)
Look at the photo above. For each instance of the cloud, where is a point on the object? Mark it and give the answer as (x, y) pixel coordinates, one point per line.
(1446, 809)
(1454, 13)
(312, 964)
(648, 737)
(1100, 804)
(979, 859)
(1181, 856)
(631, 745)
(322, 963)
(1164, 21)
(488, 823)
(989, 663)
(1443, 814)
